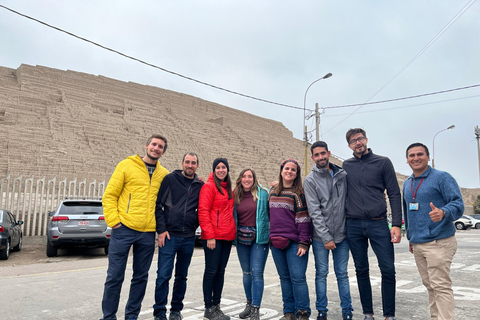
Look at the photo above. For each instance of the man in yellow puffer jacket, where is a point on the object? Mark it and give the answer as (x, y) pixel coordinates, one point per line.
(129, 209)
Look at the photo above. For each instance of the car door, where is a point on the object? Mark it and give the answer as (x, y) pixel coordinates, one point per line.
(12, 226)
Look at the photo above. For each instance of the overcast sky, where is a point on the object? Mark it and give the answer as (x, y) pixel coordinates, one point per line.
(274, 50)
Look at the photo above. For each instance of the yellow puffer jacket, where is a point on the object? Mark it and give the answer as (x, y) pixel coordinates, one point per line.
(130, 195)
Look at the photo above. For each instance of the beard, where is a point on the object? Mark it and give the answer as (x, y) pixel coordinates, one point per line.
(186, 173)
(152, 157)
(322, 165)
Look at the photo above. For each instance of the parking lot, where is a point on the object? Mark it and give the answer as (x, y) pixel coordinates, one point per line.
(70, 286)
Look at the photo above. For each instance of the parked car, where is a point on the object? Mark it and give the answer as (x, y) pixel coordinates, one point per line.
(198, 234)
(77, 222)
(475, 221)
(463, 223)
(10, 234)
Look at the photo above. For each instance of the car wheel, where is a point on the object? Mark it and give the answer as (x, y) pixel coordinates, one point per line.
(18, 247)
(459, 226)
(106, 250)
(477, 226)
(5, 253)
(51, 250)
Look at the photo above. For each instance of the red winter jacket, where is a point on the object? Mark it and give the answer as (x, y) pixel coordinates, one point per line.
(215, 212)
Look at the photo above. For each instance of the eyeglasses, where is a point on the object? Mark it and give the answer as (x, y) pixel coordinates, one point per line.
(354, 141)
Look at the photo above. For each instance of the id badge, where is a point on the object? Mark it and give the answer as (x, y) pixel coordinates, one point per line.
(413, 206)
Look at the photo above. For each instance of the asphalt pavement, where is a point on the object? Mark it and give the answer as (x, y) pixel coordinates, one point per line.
(59, 288)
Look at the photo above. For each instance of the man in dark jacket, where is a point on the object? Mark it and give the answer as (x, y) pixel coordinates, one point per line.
(177, 219)
(368, 176)
(325, 192)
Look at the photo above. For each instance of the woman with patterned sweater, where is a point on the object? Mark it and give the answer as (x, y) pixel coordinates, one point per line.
(290, 237)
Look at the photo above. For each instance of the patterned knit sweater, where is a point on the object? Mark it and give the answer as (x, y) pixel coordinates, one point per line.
(289, 217)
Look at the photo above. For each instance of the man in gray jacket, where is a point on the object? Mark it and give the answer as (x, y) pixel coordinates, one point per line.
(325, 191)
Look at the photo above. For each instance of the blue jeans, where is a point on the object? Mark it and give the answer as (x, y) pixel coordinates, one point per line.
(182, 248)
(340, 265)
(121, 240)
(293, 281)
(213, 277)
(252, 260)
(359, 232)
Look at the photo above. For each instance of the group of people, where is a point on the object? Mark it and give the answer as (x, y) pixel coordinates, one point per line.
(338, 210)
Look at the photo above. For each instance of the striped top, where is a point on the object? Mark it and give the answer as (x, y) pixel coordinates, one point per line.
(289, 217)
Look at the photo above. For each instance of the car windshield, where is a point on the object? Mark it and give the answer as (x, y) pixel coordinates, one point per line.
(72, 208)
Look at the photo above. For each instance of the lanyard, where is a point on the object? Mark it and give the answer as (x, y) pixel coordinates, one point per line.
(414, 194)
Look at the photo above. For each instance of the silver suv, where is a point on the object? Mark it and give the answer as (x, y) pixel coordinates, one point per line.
(77, 222)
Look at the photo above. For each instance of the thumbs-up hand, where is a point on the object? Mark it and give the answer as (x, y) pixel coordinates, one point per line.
(436, 214)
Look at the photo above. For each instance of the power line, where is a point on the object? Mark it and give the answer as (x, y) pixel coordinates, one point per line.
(404, 98)
(149, 64)
(402, 107)
(444, 29)
(251, 97)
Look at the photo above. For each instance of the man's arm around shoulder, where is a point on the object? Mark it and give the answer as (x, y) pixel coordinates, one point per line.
(161, 224)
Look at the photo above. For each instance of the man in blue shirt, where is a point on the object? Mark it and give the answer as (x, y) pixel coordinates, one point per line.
(431, 202)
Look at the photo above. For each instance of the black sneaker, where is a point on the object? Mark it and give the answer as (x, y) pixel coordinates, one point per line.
(347, 316)
(219, 315)
(209, 313)
(322, 315)
(175, 315)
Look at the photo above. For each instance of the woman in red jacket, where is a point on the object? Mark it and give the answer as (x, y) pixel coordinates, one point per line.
(215, 214)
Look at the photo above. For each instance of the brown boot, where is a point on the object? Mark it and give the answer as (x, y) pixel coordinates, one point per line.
(288, 316)
(302, 315)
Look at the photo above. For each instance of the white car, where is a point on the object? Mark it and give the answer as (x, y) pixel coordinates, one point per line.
(475, 222)
(463, 223)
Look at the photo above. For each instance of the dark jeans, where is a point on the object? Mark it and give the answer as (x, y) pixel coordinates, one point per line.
(252, 260)
(359, 232)
(143, 248)
(182, 248)
(215, 263)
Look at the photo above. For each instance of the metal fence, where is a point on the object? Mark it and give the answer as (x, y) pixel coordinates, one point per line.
(31, 200)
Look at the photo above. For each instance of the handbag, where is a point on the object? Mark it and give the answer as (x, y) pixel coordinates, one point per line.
(246, 235)
(279, 242)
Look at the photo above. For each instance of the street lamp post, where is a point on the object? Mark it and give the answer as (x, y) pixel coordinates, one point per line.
(305, 137)
(477, 133)
(433, 145)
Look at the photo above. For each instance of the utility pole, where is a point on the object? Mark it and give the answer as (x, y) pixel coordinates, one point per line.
(477, 133)
(317, 123)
